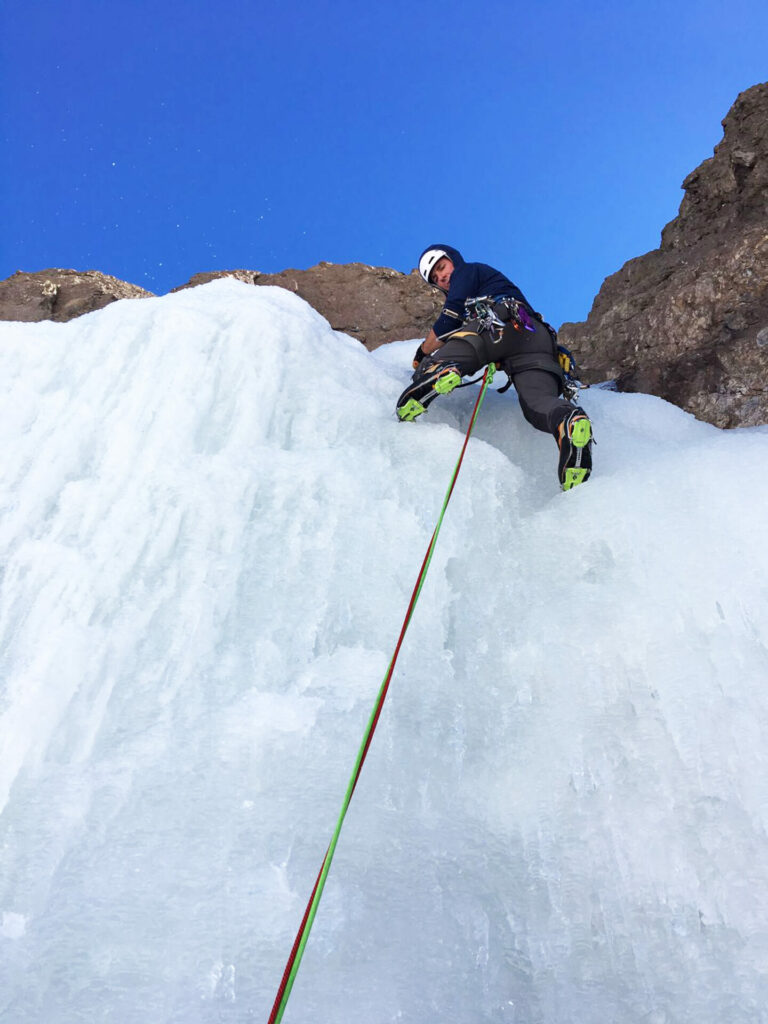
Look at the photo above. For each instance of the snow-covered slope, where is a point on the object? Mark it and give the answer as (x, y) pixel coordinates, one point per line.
(210, 524)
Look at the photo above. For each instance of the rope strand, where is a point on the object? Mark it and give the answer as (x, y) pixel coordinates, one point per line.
(297, 952)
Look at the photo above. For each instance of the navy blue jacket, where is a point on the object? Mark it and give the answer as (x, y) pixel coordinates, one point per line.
(470, 281)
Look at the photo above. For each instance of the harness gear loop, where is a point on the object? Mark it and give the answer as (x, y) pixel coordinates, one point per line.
(297, 952)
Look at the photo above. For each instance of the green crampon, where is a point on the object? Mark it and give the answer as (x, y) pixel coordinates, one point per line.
(582, 433)
(410, 410)
(447, 382)
(573, 477)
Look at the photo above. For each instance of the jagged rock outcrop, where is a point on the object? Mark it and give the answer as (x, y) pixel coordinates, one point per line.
(689, 321)
(61, 294)
(373, 304)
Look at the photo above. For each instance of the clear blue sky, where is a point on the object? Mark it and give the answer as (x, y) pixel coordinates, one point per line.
(152, 141)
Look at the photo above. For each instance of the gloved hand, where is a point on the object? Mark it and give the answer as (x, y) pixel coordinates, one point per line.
(420, 354)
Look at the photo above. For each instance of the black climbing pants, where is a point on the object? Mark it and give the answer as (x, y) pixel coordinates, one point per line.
(529, 358)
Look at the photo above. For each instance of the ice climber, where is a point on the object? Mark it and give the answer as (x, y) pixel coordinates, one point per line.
(486, 318)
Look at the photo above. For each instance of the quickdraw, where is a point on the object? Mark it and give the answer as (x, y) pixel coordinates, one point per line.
(571, 383)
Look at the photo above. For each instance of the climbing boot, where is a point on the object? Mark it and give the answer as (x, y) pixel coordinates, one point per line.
(574, 439)
(437, 379)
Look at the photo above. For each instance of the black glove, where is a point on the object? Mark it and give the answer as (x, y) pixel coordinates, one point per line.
(420, 354)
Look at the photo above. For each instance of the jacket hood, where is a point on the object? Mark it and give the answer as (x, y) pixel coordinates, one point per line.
(453, 254)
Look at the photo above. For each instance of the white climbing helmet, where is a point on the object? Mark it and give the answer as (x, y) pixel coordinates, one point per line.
(428, 261)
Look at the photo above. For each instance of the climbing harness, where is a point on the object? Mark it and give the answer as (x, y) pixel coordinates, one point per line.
(297, 952)
(571, 383)
(493, 315)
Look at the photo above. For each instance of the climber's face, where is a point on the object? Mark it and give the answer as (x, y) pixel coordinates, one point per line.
(441, 274)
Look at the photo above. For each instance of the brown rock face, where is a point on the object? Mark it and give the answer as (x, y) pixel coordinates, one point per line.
(689, 321)
(373, 304)
(60, 294)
